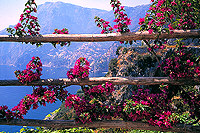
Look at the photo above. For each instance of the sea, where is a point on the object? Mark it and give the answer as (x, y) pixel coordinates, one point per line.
(11, 95)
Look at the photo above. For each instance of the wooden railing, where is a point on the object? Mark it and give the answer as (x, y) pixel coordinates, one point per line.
(60, 124)
(100, 80)
(102, 37)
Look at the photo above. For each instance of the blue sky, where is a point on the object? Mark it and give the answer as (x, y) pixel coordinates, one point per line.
(10, 10)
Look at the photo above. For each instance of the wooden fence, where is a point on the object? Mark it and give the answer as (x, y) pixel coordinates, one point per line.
(102, 37)
(100, 80)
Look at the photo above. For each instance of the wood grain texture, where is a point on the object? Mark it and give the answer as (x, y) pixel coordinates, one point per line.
(58, 124)
(101, 37)
(101, 80)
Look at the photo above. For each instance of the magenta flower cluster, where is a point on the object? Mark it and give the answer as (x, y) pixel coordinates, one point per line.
(32, 71)
(28, 24)
(155, 47)
(97, 104)
(181, 63)
(80, 70)
(121, 19)
(104, 25)
(63, 31)
(155, 108)
(136, 110)
(40, 96)
(105, 90)
(92, 106)
(5, 113)
(168, 15)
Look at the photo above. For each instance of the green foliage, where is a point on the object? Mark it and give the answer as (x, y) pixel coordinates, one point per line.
(121, 130)
(113, 66)
(42, 130)
(65, 113)
(85, 130)
(145, 63)
(52, 113)
(146, 131)
(183, 118)
(138, 107)
(125, 50)
(111, 130)
(134, 62)
(118, 49)
(80, 93)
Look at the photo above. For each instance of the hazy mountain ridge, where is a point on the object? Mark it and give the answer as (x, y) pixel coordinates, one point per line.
(59, 15)
(78, 20)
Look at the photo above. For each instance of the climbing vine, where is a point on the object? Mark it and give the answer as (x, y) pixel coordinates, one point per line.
(28, 25)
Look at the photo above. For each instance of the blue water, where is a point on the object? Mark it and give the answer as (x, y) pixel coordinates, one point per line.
(11, 96)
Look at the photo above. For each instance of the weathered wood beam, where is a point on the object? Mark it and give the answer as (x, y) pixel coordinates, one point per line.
(101, 80)
(58, 124)
(101, 37)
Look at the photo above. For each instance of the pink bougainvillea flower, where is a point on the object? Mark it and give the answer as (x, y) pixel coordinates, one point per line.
(141, 21)
(150, 31)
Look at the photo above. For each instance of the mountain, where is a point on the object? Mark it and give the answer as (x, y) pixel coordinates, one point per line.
(78, 20)
(59, 15)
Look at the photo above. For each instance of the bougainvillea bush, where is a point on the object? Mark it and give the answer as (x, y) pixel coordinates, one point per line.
(168, 15)
(181, 62)
(63, 31)
(32, 71)
(80, 70)
(165, 16)
(97, 103)
(28, 25)
(28, 22)
(121, 19)
(40, 96)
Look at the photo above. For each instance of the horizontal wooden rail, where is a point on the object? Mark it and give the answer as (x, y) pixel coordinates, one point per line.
(102, 37)
(58, 124)
(101, 80)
